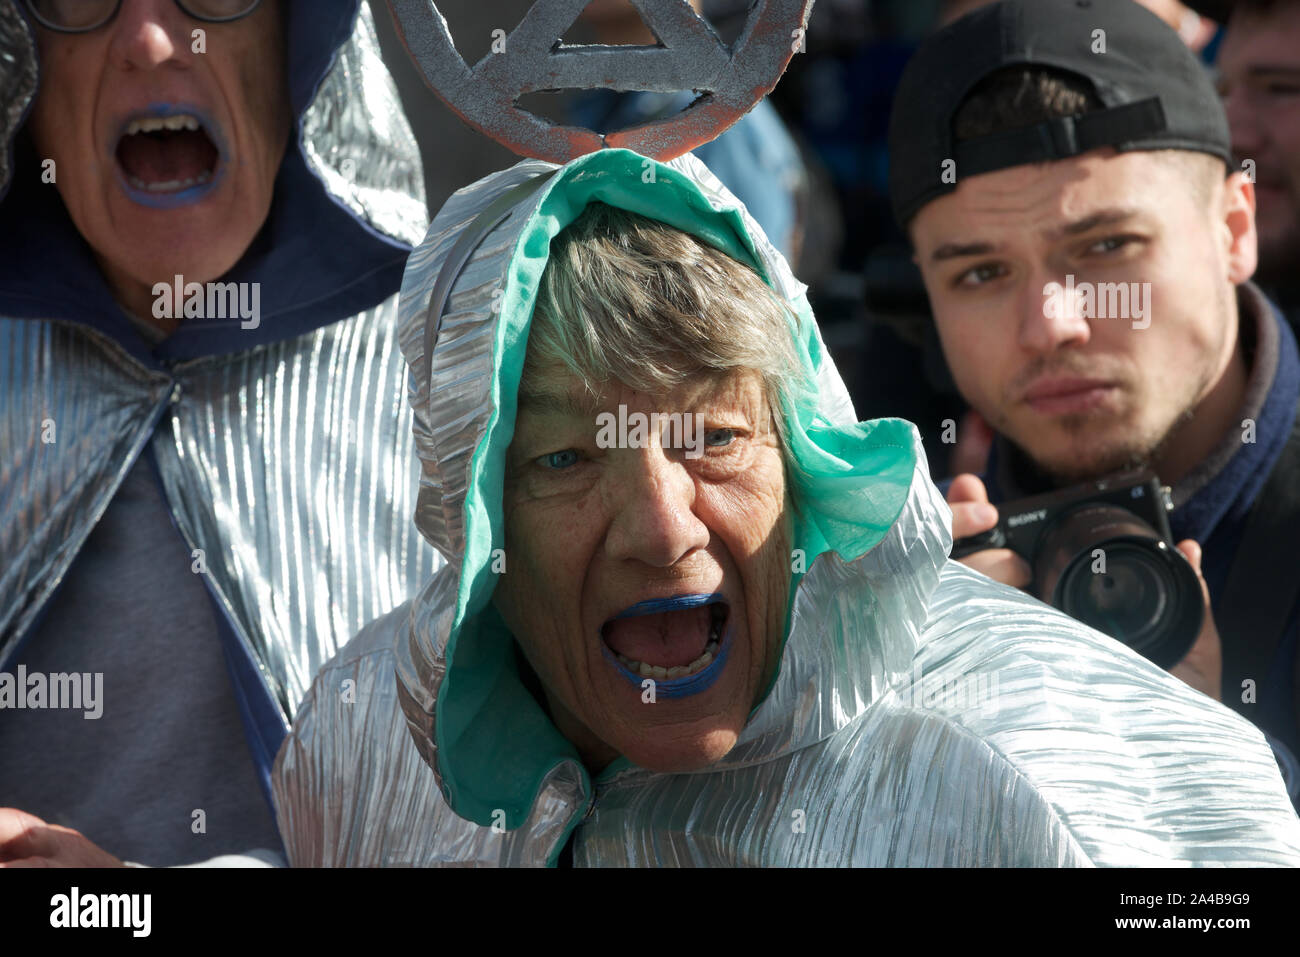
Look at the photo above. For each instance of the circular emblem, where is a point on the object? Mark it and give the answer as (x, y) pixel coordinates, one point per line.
(690, 56)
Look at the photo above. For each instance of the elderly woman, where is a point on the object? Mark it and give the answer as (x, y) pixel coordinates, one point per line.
(694, 613)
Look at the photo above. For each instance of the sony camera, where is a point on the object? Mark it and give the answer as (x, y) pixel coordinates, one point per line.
(1102, 552)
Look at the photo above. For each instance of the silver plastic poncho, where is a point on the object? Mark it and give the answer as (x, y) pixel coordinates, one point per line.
(284, 452)
(922, 714)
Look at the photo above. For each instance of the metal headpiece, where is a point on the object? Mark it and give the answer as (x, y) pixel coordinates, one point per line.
(689, 56)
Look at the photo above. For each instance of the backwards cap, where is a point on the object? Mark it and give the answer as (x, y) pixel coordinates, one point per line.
(1155, 93)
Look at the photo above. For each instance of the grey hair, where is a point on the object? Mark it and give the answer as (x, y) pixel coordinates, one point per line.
(628, 298)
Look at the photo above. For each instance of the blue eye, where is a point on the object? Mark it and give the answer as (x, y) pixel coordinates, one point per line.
(728, 436)
(558, 461)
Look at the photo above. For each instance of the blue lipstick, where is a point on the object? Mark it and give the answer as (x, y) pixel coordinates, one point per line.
(655, 606)
(690, 684)
(184, 197)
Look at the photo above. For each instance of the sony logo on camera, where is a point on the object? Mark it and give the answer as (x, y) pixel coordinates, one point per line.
(1015, 521)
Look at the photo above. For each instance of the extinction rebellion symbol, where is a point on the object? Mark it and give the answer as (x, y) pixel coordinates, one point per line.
(690, 56)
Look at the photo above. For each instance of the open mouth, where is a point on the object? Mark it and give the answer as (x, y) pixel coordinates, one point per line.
(167, 154)
(668, 638)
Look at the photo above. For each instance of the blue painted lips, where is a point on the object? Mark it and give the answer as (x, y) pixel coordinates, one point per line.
(656, 606)
(173, 114)
(688, 685)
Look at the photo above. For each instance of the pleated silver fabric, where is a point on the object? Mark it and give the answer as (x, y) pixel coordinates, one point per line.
(17, 81)
(289, 468)
(448, 429)
(923, 715)
(356, 138)
(318, 426)
(76, 412)
(351, 790)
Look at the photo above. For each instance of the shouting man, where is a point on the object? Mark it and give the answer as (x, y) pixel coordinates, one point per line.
(205, 488)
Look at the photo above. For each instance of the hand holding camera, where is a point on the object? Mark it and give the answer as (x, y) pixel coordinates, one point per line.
(1202, 666)
(1101, 553)
(972, 515)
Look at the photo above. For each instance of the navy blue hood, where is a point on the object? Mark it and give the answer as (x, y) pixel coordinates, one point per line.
(317, 260)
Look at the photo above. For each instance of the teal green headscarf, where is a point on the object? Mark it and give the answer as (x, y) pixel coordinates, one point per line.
(495, 743)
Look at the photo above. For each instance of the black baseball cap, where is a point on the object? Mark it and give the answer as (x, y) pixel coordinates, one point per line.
(1154, 91)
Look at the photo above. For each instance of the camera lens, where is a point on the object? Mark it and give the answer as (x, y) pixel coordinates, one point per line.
(1104, 566)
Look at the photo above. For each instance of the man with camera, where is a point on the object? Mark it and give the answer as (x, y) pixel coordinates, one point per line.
(1065, 174)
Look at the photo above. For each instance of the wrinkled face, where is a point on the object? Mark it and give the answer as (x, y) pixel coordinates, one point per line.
(647, 555)
(1259, 78)
(1085, 389)
(165, 157)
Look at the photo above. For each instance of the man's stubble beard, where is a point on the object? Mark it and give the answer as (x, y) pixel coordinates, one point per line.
(1142, 451)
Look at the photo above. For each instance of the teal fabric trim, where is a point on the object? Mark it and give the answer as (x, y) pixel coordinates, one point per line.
(495, 742)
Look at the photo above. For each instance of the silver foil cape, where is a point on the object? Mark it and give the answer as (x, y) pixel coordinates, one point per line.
(923, 715)
(289, 466)
(17, 81)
